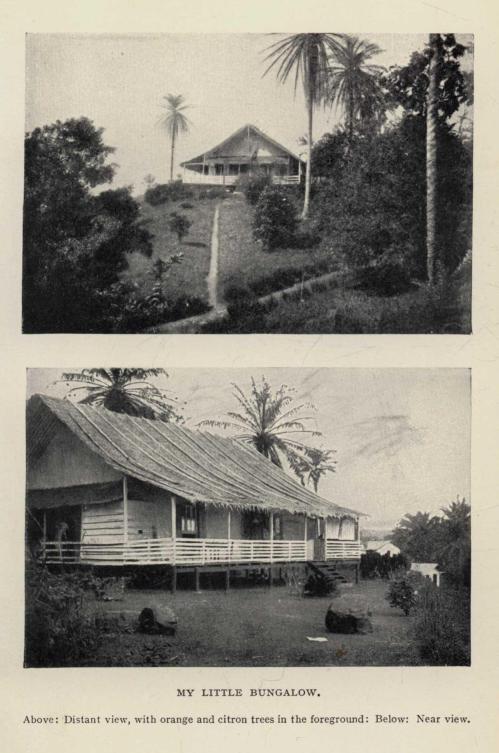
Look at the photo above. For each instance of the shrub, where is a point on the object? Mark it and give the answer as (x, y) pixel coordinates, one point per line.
(157, 195)
(163, 192)
(401, 595)
(57, 633)
(274, 221)
(179, 224)
(187, 205)
(234, 292)
(441, 624)
(253, 185)
(213, 192)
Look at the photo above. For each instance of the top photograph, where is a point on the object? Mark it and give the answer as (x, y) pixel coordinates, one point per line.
(248, 183)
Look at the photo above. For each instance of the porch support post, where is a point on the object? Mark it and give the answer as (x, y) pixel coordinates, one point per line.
(271, 536)
(305, 536)
(173, 523)
(125, 510)
(174, 517)
(44, 529)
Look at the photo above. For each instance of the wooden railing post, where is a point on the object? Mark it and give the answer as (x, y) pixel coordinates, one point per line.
(271, 535)
(229, 552)
(173, 523)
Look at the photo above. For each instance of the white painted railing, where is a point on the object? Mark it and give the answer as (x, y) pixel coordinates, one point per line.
(178, 552)
(346, 550)
(192, 178)
(192, 552)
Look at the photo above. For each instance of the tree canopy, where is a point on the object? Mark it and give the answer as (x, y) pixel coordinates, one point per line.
(270, 420)
(127, 391)
(75, 241)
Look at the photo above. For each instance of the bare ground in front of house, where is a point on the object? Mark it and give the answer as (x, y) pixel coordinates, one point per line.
(258, 626)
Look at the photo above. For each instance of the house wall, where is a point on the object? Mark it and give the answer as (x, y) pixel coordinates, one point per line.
(104, 524)
(293, 527)
(149, 520)
(213, 523)
(67, 462)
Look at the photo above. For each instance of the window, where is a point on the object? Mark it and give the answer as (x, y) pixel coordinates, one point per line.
(188, 519)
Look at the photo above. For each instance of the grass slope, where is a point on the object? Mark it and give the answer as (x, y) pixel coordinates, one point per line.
(189, 277)
(241, 259)
(443, 310)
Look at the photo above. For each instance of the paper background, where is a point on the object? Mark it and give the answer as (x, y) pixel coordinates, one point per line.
(434, 691)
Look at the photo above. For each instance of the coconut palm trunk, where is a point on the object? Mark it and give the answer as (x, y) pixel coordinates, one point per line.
(431, 159)
(172, 156)
(308, 169)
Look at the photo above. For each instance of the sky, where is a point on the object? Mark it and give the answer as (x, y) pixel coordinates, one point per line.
(118, 81)
(402, 436)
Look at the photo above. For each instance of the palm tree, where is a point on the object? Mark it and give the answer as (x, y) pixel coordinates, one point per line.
(354, 83)
(267, 420)
(319, 463)
(431, 155)
(417, 535)
(124, 391)
(175, 122)
(455, 550)
(308, 56)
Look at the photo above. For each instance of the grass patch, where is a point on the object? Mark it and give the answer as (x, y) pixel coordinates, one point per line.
(226, 629)
(189, 277)
(443, 310)
(242, 261)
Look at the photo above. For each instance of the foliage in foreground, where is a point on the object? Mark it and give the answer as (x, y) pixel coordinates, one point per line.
(57, 633)
(275, 221)
(441, 624)
(401, 595)
(442, 308)
(76, 243)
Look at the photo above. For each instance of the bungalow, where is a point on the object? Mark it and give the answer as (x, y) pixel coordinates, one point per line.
(382, 548)
(429, 570)
(115, 491)
(245, 151)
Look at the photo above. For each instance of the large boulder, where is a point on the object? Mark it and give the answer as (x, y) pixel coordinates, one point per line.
(157, 621)
(348, 622)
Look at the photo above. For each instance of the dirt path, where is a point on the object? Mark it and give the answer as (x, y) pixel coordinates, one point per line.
(212, 279)
(193, 324)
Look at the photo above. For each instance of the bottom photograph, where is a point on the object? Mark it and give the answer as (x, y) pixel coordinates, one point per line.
(247, 517)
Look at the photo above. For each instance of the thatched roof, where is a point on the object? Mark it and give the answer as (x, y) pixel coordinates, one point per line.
(224, 149)
(197, 466)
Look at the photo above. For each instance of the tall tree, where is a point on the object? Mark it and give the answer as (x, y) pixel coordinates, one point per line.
(319, 462)
(268, 420)
(175, 122)
(431, 156)
(307, 55)
(354, 83)
(124, 391)
(76, 241)
(418, 536)
(455, 550)
(432, 87)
